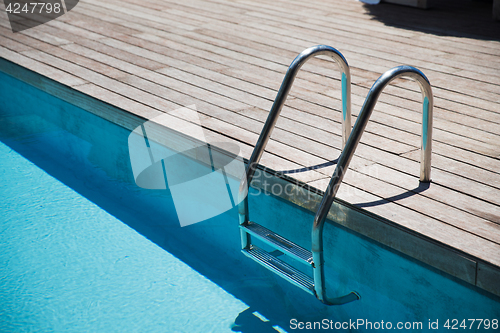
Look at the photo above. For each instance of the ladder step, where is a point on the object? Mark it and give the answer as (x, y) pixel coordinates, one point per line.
(281, 268)
(278, 242)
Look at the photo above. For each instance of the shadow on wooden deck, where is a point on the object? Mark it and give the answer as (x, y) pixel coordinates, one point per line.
(459, 18)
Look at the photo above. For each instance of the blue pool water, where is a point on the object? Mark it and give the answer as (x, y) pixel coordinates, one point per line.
(84, 249)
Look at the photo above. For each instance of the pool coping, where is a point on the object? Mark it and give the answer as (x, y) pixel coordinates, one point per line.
(424, 249)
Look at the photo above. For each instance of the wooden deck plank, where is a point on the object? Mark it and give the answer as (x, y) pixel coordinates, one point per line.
(49, 71)
(102, 80)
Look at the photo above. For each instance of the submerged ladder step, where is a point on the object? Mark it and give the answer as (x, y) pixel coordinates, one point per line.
(281, 268)
(278, 242)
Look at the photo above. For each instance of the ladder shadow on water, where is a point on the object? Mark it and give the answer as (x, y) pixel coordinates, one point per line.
(250, 321)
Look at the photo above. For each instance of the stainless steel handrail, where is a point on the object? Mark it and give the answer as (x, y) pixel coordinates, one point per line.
(347, 153)
(286, 85)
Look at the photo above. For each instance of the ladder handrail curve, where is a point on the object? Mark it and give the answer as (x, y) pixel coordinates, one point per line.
(275, 111)
(348, 151)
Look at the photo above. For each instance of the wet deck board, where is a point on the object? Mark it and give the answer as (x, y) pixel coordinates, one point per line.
(228, 58)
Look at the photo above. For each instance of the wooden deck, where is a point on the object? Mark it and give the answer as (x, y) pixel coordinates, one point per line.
(228, 58)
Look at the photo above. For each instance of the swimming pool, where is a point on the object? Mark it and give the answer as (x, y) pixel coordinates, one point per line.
(85, 249)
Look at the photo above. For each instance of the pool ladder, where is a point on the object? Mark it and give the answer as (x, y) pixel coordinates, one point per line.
(316, 285)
